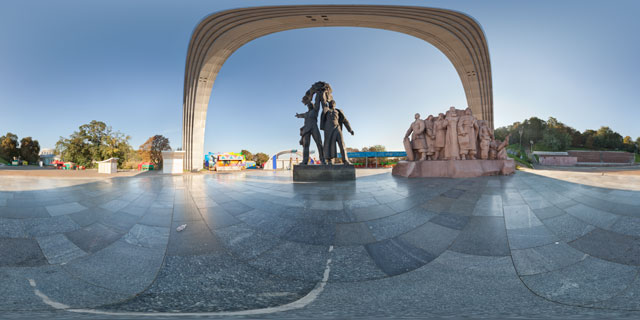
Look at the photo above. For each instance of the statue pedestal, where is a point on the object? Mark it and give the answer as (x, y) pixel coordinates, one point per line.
(336, 172)
(454, 168)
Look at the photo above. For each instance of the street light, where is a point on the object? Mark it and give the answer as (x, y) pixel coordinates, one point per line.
(521, 130)
(531, 141)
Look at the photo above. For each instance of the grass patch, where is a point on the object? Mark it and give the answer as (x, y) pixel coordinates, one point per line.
(637, 158)
(521, 161)
(3, 161)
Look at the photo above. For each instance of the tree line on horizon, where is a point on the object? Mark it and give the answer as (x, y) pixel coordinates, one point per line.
(26, 149)
(96, 141)
(553, 135)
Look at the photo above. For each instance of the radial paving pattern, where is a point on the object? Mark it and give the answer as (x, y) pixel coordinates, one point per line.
(523, 244)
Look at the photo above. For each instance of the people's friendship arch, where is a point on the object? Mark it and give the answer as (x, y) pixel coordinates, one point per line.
(217, 36)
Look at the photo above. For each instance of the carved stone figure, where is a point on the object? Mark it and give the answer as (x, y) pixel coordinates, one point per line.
(418, 144)
(332, 121)
(498, 149)
(452, 149)
(440, 129)
(430, 136)
(310, 129)
(467, 135)
(484, 139)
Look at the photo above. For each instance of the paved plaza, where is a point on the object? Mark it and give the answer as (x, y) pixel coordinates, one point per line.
(256, 244)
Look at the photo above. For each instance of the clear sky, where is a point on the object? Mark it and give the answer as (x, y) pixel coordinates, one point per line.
(65, 63)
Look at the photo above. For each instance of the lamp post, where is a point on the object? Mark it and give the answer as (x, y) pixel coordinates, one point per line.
(521, 130)
(531, 141)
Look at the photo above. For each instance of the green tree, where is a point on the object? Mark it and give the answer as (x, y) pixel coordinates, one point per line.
(260, 158)
(628, 145)
(92, 142)
(555, 139)
(606, 138)
(151, 150)
(29, 150)
(9, 146)
(374, 148)
(247, 155)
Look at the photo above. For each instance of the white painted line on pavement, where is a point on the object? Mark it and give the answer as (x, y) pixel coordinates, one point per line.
(298, 304)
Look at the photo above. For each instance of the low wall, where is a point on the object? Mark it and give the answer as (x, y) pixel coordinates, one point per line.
(603, 156)
(557, 160)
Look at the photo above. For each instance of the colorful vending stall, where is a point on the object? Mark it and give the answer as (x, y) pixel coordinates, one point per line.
(229, 161)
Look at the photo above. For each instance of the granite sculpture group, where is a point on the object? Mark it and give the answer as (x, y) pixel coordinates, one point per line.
(331, 122)
(454, 145)
(458, 135)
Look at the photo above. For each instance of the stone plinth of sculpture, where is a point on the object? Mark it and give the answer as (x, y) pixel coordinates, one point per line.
(455, 144)
(332, 120)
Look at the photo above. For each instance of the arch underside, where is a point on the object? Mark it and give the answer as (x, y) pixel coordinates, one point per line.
(458, 36)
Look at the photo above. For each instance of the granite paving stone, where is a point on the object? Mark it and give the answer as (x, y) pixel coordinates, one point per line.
(567, 227)
(195, 239)
(192, 284)
(545, 258)
(548, 212)
(610, 246)
(267, 222)
(520, 216)
(392, 226)
(135, 266)
(12, 228)
(439, 204)
(135, 210)
(530, 237)
(311, 233)
(583, 283)
(395, 256)
(353, 263)
(159, 217)
(246, 243)
(305, 262)
(216, 217)
(147, 236)
(452, 221)
(20, 253)
(484, 236)
(48, 226)
(348, 234)
(65, 208)
(592, 216)
(114, 205)
(94, 237)
(23, 212)
(121, 222)
(89, 216)
(627, 225)
(490, 247)
(431, 237)
(371, 213)
(488, 205)
(234, 207)
(58, 249)
(53, 282)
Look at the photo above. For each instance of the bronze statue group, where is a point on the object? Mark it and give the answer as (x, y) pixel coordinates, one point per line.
(331, 122)
(458, 135)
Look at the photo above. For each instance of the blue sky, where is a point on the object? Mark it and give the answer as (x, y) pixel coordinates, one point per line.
(65, 63)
